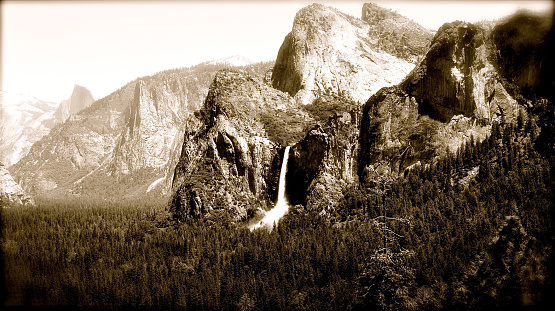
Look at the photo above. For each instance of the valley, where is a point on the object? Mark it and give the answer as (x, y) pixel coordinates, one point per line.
(375, 164)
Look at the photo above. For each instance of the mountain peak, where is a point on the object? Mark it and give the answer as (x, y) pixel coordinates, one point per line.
(395, 33)
(330, 52)
(80, 99)
(79, 88)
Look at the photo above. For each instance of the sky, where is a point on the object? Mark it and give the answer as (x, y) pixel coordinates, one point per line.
(48, 47)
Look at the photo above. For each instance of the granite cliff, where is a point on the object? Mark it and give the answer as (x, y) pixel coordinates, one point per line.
(124, 145)
(229, 163)
(329, 52)
(458, 90)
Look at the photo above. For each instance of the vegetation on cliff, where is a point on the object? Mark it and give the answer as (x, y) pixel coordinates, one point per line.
(393, 33)
(455, 248)
(396, 206)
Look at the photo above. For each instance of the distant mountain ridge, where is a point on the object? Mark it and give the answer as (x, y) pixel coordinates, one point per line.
(26, 119)
(124, 144)
(235, 61)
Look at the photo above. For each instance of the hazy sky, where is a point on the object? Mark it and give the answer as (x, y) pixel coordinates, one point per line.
(47, 47)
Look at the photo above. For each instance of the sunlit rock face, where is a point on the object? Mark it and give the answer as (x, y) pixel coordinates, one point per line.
(80, 99)
(329, 52)
(228, 164)
(457, 77)
(452, 96)
(122, 146)
(11, 194)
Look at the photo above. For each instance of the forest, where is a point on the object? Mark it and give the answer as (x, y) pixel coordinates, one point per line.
(472, 231)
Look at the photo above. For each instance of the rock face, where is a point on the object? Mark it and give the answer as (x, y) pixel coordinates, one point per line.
(151, 128)
(457, 77)
(329, 52)
(11, 194)
(324, 162)
(80, 99)
(25, 120)
(396, 34)
(123, 145)
(454, 94)
(228, 162)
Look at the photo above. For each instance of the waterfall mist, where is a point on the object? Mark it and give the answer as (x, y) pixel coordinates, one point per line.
(282, 205)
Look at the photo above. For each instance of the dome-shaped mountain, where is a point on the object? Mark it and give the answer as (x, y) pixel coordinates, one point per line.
(80, 99)
(329, 52)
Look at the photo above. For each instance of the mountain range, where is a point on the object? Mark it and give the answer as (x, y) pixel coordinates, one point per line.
(414, 168)
(26, 119)
(328, 64)
(442, 88)
(123, 144)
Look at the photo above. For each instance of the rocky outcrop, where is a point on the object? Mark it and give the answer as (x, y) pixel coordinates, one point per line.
(396, 34)
(324, 162)
(329, 52)
(457, 77)
(125, 145)
(393, 135)
(228, 163)
(80, 99)
(453, 95)
(11, 194)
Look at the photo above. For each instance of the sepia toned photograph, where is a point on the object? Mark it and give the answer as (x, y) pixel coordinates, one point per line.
(277, 155)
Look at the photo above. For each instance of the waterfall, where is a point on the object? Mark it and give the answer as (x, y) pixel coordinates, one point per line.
(282, 204)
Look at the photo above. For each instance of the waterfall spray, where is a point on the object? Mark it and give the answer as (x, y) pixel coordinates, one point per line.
(282, 205)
